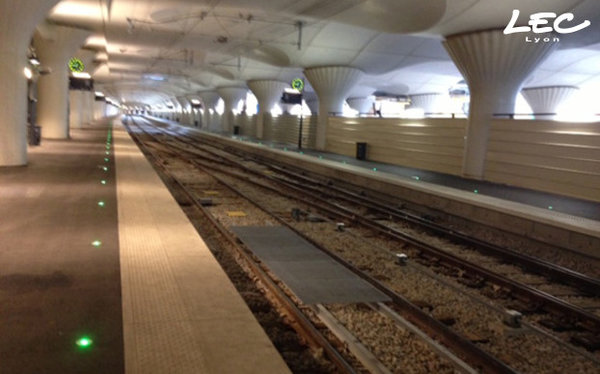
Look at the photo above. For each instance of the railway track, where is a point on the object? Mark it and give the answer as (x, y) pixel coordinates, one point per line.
(339, 212)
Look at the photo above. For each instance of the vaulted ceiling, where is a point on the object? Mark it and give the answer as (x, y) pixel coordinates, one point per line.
(148, 50)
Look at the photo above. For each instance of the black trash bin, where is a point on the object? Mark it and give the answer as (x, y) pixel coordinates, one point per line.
(361, 151)
(35, 135)
(236, 130)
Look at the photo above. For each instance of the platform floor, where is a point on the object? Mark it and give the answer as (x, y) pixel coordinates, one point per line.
(55, 286)
(149, 295)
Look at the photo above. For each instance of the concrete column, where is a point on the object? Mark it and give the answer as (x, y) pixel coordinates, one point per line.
(54, 51)
(186, 111)
(362, 104)
(231, 97)
(547, 99)
(17, 23)
(209, 101)
(494, 66)
(195, 113)
(429, 102)
(332, 84)
(268, 93)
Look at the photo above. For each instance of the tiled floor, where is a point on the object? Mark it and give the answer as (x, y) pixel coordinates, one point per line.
(180, 311)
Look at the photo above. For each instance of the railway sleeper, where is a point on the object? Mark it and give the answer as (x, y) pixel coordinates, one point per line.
(589, 341)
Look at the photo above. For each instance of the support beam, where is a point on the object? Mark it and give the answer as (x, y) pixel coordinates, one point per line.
(429, 102)
(545, 101)
(268, 93)
(362, 104)
(231, 97)
(54, 50)
(333, 85)
(209, 101)
(495, 67)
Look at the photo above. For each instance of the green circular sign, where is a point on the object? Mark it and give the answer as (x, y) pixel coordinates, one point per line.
(298, 84)
(76, 65)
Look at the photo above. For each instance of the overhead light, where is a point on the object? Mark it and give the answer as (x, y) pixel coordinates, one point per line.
(81, 75)
(99, 94)
(195, 101)
(34, 61)
(27, 72)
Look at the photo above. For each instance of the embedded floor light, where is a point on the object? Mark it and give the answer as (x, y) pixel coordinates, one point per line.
(84, 342)
(101, 203)
(550, 207)
(374, 169)
(28, 73)
(106, 159)
(415, 177)
(103, 181)
(96, 243)
(105, 168)
(476, 191)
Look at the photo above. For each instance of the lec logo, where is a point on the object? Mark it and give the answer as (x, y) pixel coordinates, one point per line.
(538, 21)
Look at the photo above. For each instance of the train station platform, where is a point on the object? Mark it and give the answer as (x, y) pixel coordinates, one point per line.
(101, 271)
(553, 219)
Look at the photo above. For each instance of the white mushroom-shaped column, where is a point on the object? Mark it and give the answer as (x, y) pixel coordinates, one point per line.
(429, 102)
(186, 111)
(210, 99)
(362, 104)
(495, 66)
(545, 101)
(231, 97)
(333, 85)
(268, 93)
(54, 49)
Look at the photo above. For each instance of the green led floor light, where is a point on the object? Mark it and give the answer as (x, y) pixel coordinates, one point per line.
(106, 159)
(107, 152)
(105, 168)
(96, 243)
(101, 203)
(476, 191)
(103, 181)
(84, 342)
(374, 169)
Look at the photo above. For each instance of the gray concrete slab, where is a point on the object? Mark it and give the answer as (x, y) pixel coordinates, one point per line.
(310, 274)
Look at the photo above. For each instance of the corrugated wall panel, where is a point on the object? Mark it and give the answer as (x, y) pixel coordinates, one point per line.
(550, 156)
(431, 143)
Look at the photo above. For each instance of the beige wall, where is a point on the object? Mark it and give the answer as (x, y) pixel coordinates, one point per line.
(247, 125)
(549, 156)
(285, 128)
(557, 157)
(432, 143)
